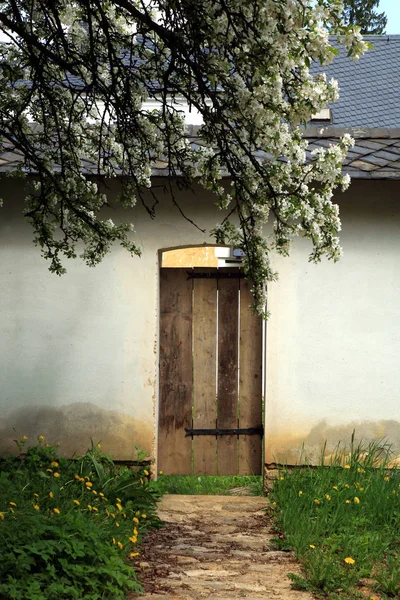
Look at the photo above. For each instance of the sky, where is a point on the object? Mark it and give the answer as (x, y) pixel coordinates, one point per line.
(392, 10)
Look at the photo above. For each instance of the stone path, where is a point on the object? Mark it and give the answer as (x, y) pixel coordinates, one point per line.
(215, 547)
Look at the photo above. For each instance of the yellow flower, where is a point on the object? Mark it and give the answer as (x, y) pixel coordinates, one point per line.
(356, 500)
(356, 485)
(120, 545)
(36, 507)
(49, 470)
(137, 513)
(300, 493)
(144, 516)
(54, 464)
(51, 495)
(119, 506)
(312, 546)
(101, 494)
(124, 515)
(346, 485)
(77, 502)
(11, 509)
(47, 445)
(361, 489)
(1, 515)
(36, 495)
(359, 470)
(40, 438)
(56, 510)
(116, 524)
(90, 507)
(145, 472)
(317, 501)
(347, 466)
(347, 501)
(12, 504)
(88, 484)
(56, 474)
(135, 520)
(386, 479)
(349, 561)
(281, 478)
(94, 492)
(160, 472)
(99, 446)
(335, 487)
(133, 554)
(135, 531)
(95, 508)
(77, 477)
(87, 477)
(114, 541)
(133, 539)
(327, 496)
(24, 437)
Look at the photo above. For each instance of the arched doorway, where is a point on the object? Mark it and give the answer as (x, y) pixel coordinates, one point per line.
(210, 372)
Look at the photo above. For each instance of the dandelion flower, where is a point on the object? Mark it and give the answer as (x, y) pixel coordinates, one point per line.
(335, 487)
(56, 474)
(36, 495)
(77, 502)
(119, 506)
(356, 500)
(94, 492)
(119, 500)
(386, 479)
(317, 501)
(349, 561)
(346, 485)
(347, 501)
(12, 504)
(133, 554)
(54, 464)
(281, 478)
(101, 494)
(77, 477)
(24, 437)
(51, 495)
(49, 470)
(144, 516)
(2, 516)
(135, 520)
(56, 510)
(160, 472)
(145, 472)
(133, 539)
(114, 541)
(90, 507)
(312, 546)
(116, 524)
(327, 496)
(347, 466)
(120, 545)
(41, 438)
(135, 531)
(88, 484)
(11, 509)
(95, 508)
(36, 506)
(300, 493)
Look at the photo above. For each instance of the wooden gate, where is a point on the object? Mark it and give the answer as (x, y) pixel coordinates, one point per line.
(210, 374)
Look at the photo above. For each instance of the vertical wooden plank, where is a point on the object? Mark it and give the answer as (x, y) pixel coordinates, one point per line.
(175, 408)
(250, 383)
(228, 290)
(204, 373)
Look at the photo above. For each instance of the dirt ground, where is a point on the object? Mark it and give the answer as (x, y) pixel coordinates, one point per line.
(215, 547)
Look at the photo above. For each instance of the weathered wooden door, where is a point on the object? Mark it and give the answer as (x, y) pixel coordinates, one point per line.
(210, 419)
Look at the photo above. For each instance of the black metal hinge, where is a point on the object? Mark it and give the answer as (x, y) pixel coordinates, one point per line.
(218, 431)
(215, 275)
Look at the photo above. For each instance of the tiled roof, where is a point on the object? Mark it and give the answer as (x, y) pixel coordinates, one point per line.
(369, 87)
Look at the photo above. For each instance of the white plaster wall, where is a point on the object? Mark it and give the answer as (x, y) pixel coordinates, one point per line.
(78, 355)
(333, 339)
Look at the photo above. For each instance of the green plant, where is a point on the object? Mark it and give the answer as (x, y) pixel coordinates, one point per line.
(209, 484)
(342, 520)
(69, 528)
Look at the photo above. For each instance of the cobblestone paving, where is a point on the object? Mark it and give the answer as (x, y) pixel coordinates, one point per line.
(215, 547)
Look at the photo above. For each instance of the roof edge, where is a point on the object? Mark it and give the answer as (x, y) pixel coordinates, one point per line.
(355, 132)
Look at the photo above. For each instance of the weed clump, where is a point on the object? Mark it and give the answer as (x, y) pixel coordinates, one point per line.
(70, 529)
(343, 522)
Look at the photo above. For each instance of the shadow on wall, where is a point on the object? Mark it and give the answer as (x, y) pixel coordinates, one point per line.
(73, 426)
(290, 449)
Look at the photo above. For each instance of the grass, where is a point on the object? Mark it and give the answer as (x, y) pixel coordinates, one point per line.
(250, 485)
(343, 522)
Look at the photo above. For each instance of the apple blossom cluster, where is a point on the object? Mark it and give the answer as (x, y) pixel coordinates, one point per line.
(74, 81)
